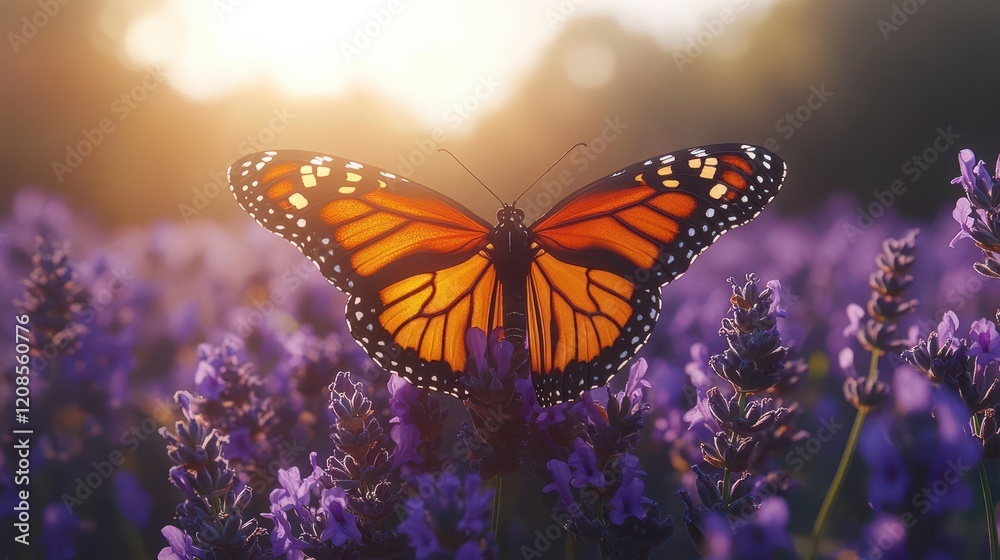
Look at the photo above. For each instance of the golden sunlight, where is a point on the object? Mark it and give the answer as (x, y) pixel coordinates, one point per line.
(425, 56)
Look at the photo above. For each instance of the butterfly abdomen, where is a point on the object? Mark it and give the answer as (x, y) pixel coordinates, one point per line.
(513, 252)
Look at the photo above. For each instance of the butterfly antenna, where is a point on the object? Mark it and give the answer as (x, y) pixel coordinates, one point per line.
(471, 173)
(575, 146)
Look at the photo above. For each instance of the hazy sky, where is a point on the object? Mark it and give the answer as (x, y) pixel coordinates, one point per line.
(422, 54)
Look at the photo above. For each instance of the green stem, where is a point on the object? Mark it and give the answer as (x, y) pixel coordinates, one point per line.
(991, 517)
(495, 524)
(570, 547)
(845, 465)
(726, 490)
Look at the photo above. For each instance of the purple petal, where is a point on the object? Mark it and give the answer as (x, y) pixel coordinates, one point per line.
(967, 163)
(628, 501)
(341, 524)
(778, 307)
(503, 355)
(584, 462)
(635, 383)
(179, 541)
(561, 478)
(475, 343)
(962, 214)
(854, 315)
(846, 361)
(407, 438)
(697, 369)
(911, 390)
(469, 551)
(948, 325)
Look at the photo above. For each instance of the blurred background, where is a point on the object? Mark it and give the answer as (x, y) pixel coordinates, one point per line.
(119, 120)
(847, 92)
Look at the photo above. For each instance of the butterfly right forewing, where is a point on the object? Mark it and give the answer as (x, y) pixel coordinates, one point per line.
(618, 241)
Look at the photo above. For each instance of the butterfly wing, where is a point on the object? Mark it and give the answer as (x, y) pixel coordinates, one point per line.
(413, 262)
(605, 252)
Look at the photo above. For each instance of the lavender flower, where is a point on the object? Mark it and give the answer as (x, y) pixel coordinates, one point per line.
(966, 366)
(889, 303)
(212, 514)
(499, 430)
(327, 529)
(231, 398)
(754, 362)
(755, 358)
(599, 484)
(418, 424)
(868, 392)
(977, 214)
(54, 300)
(181, 546)
(363, 465)
(450, 518)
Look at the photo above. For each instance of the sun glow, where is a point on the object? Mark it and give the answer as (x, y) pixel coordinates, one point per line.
(426, 55)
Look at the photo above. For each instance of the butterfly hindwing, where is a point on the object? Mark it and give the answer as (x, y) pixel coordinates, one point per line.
(641, 227)
(410, 259)
(416, 327)
(583, 325)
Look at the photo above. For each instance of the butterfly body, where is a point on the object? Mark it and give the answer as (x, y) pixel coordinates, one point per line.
(580, 287)
(512, 252)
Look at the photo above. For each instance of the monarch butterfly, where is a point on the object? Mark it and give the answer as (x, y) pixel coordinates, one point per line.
(580, 286)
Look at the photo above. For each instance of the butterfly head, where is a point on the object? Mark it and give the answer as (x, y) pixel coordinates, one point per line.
(510, 215)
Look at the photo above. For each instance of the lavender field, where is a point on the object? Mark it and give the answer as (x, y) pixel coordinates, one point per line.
(823, 383)
(187, 398)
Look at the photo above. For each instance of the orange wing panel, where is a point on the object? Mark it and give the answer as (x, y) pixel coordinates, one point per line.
(587, 308)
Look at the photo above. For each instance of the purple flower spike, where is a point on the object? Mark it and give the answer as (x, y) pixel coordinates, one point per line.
(584, 462)
(976, 213)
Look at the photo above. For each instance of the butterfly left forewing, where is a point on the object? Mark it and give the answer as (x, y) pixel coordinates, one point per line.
(642, 226)
(407, 257)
